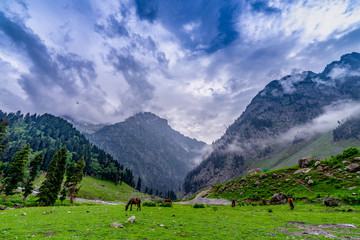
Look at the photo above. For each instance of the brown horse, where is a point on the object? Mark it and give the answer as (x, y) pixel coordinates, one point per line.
(263, 201)
(168, 200)
(233, 203)
(291, 203)
(135, 201)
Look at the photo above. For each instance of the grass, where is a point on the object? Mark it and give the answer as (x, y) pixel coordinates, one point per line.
(178, 222)
(335, 181)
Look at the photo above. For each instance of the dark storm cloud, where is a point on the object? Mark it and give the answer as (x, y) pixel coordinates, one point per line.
(147, 9)
(135, 75)
(113, 28)
(49, 79)
(262, 6)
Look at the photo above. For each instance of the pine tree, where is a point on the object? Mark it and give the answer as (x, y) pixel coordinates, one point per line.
(51, 186)
(3, 125)
(74, 175)
(150, 191)
(138, 185)
(34, 168)
(16, 171)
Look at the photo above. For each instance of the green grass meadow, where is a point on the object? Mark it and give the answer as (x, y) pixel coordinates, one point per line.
(179, 222)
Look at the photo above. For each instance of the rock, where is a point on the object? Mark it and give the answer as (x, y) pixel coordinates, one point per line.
(345, 162)
(17, 205)
(330, 201)
(287, 180)
(304, 162)
(351, 188)
(254, 171)
(274, 175)
(116, 225)
(69, 212)
(354, 194)
(257, 183)
(310, 182)
(303, 170)
(2, 207)
(278, 198)
(262, 176)
(358, 172)
(161, 225)
(131, 219)
(317, 163)
(243, 180)
(45, 213)
(353, 167)
(24, 214)
(320, 168)
(357, 159)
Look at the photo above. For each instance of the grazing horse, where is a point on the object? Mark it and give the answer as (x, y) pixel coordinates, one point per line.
(168, 200)
(291, 203)
(263, 201)
(233, 203)
(135, 201)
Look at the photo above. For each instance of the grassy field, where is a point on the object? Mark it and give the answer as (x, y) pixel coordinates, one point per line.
(178, 222)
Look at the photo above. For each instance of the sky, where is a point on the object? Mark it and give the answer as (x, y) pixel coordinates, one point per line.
(196, 63)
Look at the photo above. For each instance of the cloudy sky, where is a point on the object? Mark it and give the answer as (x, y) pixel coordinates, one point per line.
(196, 63)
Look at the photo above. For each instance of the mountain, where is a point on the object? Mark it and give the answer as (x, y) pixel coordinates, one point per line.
(155, 152)
(47, 133)
(287, 116)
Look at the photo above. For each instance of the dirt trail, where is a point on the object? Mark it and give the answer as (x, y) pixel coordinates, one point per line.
(200, 198)
(83, 200)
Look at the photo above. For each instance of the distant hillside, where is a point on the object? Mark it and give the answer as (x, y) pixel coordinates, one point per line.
(288, 115)
(337, 176)
(47, 133)
(154, 151)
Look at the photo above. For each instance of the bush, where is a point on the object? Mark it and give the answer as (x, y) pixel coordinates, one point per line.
(165, 204)
(350, 152)
(198, 205)
(351, 200)
(149, 204)
(270, 210)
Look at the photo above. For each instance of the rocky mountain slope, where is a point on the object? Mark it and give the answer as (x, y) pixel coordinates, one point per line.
(310, 179)
(287, 113)
(154, 151)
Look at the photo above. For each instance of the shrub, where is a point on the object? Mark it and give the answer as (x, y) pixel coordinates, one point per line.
(165, 204)
(350, 152)
(149, 204)
(270, 210)
(198, 205)
(351, 200)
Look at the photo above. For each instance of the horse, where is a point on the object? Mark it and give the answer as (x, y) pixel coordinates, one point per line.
(263, 201)
(291, 203)
(135, 201)
(233, 203)
(168, 200)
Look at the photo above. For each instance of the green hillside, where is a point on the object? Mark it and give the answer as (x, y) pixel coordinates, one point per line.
(332, 177)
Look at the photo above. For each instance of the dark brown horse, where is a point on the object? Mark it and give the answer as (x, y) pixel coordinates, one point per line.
(168, 200)
(263, 201)
(233, 203)
(135, 201)
(291, 203)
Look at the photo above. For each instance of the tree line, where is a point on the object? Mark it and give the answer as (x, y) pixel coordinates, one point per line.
(47, 134)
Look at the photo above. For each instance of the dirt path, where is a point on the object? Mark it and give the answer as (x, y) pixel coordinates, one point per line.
(201, 198)
(83, 200)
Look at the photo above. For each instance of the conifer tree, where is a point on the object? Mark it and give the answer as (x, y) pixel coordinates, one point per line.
(74, 175)
(51, 186)
(138, 185)
(34, 168)
(3, 125)
(16, 171)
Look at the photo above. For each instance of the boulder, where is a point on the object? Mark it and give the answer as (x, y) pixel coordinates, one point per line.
(330, 201)
(351, 188)
(278, 198)
(257, 183)
(262, 176)
(310, 182)
(131, 219)
(303, 170)
(254, 171)
(357, 159)
(116, 225)
(304, 162)
(320, 168)
(317, 163)
(353, 167)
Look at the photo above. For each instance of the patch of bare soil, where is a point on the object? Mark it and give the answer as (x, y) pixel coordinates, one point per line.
(201, 198)
(326, 230)
(83, 200)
